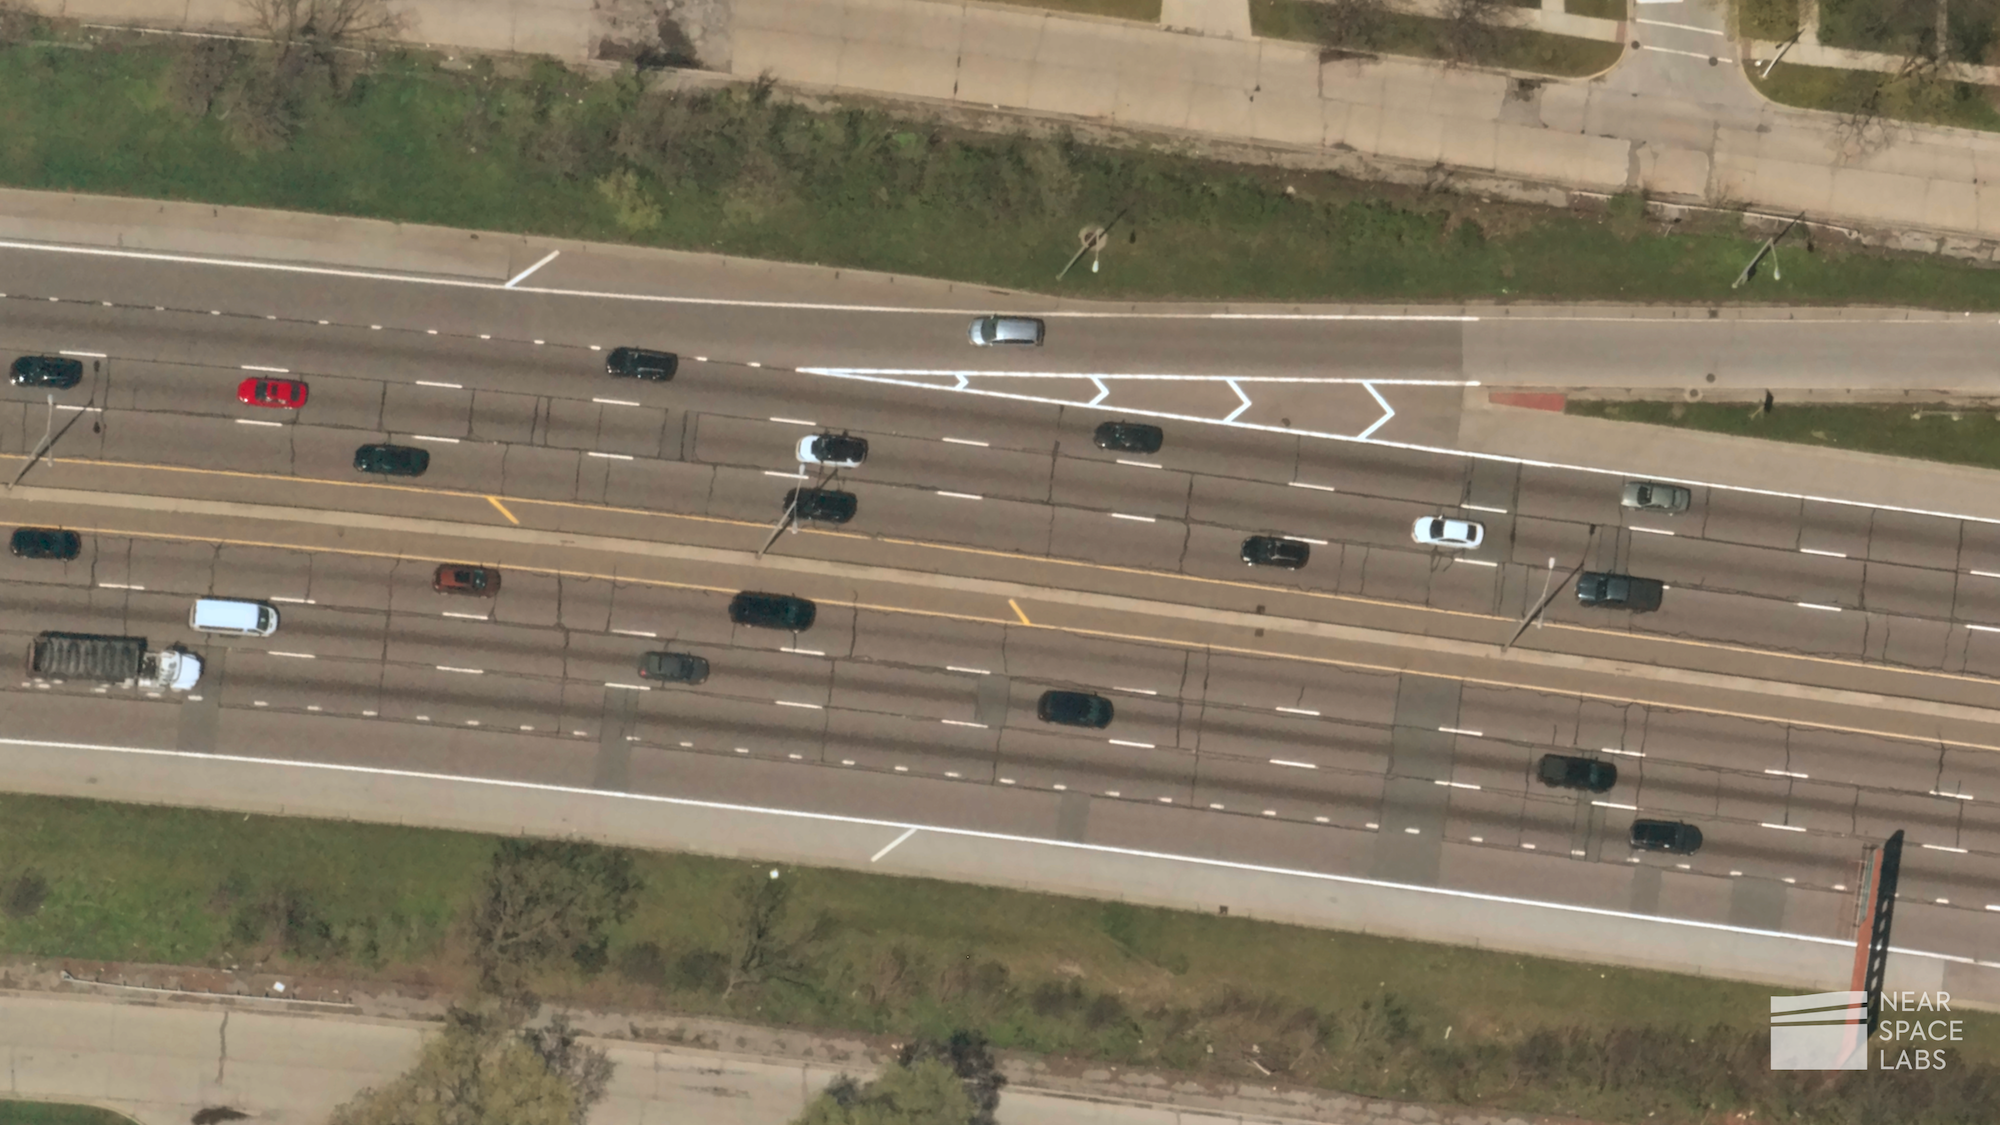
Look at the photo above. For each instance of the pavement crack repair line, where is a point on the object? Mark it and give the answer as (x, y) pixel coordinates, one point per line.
(1012, 592)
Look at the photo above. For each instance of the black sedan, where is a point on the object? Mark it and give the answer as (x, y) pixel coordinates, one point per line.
(392, 460)
(58, 371)
(673, 668)
(1565, 771)
(1666, 836)
(1128, 437)
(639, 363)
(826, 505)
(1271, 550)
(772, 611)
(1074, 709)
(45, 543)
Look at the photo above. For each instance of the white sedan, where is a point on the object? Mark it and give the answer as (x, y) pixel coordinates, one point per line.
(1458, 535)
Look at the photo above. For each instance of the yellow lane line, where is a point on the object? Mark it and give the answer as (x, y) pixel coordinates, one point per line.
(495, 501)
(1106, 568)
(1141, 638)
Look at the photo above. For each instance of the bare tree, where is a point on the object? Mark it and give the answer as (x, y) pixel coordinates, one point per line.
(1469, 30)
(321, 25)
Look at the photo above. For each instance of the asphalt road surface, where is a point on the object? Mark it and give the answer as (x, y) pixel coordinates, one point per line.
(1412, 761)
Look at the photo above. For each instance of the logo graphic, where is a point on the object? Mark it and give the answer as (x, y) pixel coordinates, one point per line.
(1823, 1031)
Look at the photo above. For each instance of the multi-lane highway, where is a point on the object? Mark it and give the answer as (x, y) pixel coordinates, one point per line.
(1818, 677)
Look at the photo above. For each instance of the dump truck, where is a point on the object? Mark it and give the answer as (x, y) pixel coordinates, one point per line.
(125, 661)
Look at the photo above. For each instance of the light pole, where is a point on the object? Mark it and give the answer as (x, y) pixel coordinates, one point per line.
(1549, 595)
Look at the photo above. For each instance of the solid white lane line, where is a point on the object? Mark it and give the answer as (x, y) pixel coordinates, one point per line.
(1483, 508)
(961, 495)
(1985, 628)
(83, 409)
(80, 355)
(1828, 554)
(1314, 487)
(803, 651)
(1651, 530)
(1139, 745)
(294, 655)
(1780, 827)
(794, 703)
(1299, 711)
(609, 456)
(1134, 519)
(118, 586)
(462, 671)
(1461, 730)
(1136, 690)
(1293, 765)
(467, 616)
(1475, 562)
(523, 275)
(1816, 605)
(1985, 573)
(428, 437)
(631, 687)
(788, 421)
(1786, 773)
(614, 402)
(962, 723)
(974, 671)
(1944, 848)
(1615, 805)
(256, 422)
(293, 601)
(270, 370)
(446, 386)
(964, 441)
(1454, 784)
(1303, 539)
(1626, 753)
(635, 633)
(1140, 464)
(1953, 796)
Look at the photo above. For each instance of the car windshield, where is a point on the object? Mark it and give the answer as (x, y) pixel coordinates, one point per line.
(1437, 529)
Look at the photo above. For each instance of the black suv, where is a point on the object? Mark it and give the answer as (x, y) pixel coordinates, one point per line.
(1270, 550)
(828, 505)
(1619, 591)
(45, 543)
(1074, 709)
(1561, 771)
(638, 363)
(58, 371)
(673, 668)
(772, 611)
(1128, 437)
(392, 460)
(1666, 836)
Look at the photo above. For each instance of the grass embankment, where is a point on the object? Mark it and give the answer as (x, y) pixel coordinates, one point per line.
(1950, 434)
(1102, 981)
(1145, 10)
(551, 153)
(1398, 33)
(1597, 9)
(1773, 20)
(1871, 100)
(56, 1113)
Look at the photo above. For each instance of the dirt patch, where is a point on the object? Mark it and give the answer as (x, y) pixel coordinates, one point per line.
(656, 34)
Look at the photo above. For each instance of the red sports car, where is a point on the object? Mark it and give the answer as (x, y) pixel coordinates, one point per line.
(280, 394)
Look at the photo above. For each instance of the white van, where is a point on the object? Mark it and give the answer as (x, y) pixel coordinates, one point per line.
(227, 615)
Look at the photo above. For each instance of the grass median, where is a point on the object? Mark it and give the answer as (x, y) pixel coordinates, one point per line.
(544, 151)
(1400, 33)
(1108, 983)
(1954, 435)
(14, 1112)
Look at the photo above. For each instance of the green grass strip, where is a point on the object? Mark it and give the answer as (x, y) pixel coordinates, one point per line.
(1108, 982)
(1951, 434)
(546, 152)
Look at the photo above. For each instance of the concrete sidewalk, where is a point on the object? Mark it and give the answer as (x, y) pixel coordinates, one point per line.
(1678, 120)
